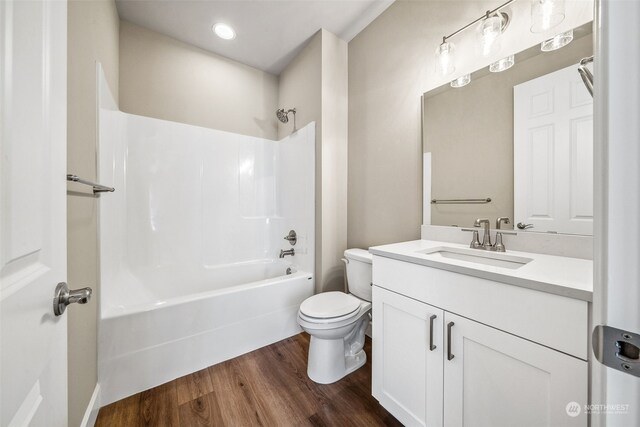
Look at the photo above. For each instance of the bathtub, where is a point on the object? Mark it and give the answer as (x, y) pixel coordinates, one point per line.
(161, 324)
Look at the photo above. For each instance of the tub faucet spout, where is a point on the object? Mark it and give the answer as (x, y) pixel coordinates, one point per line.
(284, 253)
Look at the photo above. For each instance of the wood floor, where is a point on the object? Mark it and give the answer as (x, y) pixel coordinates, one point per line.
(267, 387)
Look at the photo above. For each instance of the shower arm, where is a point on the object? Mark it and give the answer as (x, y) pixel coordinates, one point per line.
(586, 74)
(293, 110)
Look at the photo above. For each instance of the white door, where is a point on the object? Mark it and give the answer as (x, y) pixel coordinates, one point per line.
(33, 342)
(407, 358)
(492, 378)
(553, 153)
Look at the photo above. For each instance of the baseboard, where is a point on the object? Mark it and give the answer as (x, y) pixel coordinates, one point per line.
(91, 414)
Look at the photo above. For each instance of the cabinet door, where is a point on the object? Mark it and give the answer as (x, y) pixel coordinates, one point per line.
(492, 378)
(407, 368)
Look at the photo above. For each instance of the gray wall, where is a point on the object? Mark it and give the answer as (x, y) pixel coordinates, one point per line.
(474, 158)
(391, 64)
(92, 37)
(167, 79)
(315, 83)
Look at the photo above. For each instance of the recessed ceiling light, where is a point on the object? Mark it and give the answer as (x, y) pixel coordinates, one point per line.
(224, 31)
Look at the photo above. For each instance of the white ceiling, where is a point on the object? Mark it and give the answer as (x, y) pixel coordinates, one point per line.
(269, 33)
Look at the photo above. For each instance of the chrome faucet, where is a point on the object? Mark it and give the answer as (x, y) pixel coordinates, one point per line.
(486, 245)
(486, 239)
(284, 253)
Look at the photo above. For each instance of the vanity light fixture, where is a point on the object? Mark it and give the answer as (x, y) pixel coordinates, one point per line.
(224, 31)
(546, 14)
(492, 24)
(503, 64)
(461, 81)
(556, 42)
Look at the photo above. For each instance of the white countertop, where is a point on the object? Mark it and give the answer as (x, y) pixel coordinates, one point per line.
(569, 277)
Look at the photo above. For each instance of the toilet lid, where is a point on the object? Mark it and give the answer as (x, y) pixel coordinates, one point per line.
(329, 304)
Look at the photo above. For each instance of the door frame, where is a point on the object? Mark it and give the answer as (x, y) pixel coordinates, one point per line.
(616, 287)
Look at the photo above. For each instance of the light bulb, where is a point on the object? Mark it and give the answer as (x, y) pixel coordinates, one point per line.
(546, 14)
(556, 42)
(444, 55)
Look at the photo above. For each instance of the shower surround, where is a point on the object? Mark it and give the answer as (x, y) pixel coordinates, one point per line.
(189, 245)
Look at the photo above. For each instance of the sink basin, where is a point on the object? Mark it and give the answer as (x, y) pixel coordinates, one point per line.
(477, 256)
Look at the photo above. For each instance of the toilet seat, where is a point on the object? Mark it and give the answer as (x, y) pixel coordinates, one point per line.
(337, 321)
(330, 305)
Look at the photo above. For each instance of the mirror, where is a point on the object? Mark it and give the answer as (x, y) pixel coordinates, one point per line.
(516, 144)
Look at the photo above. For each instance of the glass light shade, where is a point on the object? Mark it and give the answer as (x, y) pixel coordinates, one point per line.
(546, 14)
(444, 56)
(503, 64)
(555, 43)
(461, 81)
(489, 30)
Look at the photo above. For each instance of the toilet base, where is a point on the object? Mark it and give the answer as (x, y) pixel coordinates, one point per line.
(333, 359)
(328, 363)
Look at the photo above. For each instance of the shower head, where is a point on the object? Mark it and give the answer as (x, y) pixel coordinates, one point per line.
(283, 115)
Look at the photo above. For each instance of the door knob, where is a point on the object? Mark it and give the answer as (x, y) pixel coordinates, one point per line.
(64, 296)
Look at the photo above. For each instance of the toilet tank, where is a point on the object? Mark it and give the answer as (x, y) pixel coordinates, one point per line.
(359, 273)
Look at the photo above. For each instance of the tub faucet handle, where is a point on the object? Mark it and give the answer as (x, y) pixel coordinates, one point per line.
(292, 237)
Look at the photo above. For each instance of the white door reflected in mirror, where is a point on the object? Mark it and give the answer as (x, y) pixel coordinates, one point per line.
(553, 153)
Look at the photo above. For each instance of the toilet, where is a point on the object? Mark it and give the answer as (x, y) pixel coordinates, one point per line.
(337, 322)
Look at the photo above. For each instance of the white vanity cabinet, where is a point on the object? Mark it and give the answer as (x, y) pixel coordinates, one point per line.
(498, 379)
(475, 367)
(407, 358)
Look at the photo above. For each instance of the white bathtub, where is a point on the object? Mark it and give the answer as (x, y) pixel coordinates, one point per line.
(160, 325)
(189, 244)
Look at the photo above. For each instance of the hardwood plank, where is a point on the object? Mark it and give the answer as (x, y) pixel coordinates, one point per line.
(267, 387)
(201, 411)
(194, 385)
(159, 406)
(234, 395)
(124, 412)
(283, 404)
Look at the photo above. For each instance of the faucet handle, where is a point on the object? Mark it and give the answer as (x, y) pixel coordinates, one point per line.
(500, 220)
(475, 241)
(499, 246)
(292, 237)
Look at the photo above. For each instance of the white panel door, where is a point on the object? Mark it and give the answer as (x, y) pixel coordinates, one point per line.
(33, 342)
(496, 379)
(407, 358)
(553, 153)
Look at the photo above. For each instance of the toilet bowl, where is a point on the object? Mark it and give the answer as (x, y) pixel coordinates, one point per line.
(337, 322)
